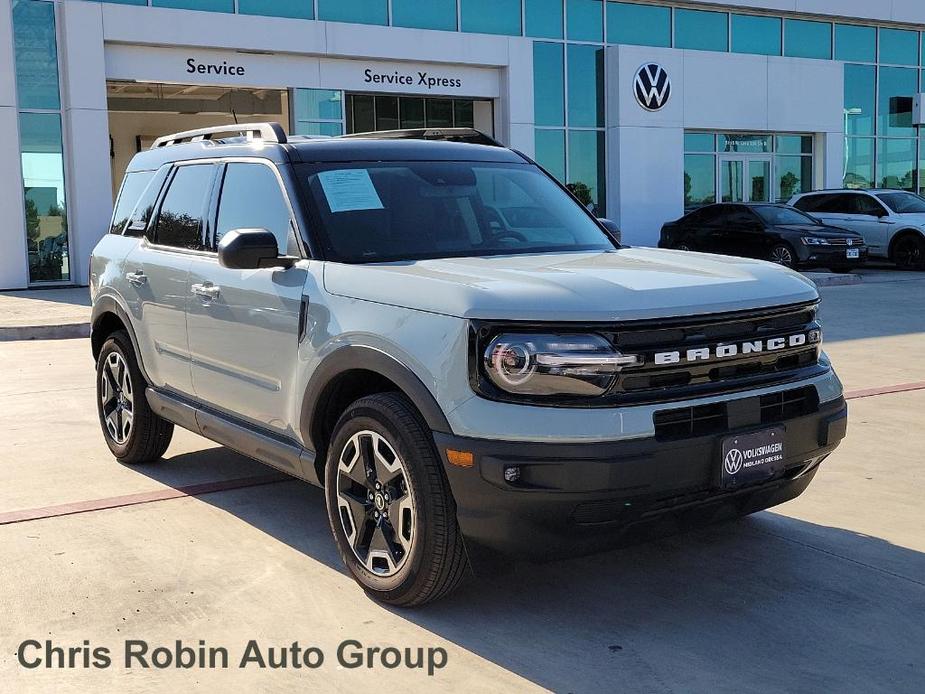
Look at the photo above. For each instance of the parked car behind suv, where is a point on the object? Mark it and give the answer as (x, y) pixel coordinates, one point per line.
(892, 222)
(777, 233)
(446, 340)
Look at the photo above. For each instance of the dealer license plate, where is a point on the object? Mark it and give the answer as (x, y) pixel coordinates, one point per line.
(853, 253)
(754, 457)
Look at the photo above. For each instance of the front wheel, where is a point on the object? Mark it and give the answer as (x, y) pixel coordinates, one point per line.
(389, 503)
(782, 254)
(841, 269)
(909, 252)
(133, 432)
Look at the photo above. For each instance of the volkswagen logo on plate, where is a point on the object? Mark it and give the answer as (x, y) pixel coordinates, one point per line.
(733, 461)
(652, 87)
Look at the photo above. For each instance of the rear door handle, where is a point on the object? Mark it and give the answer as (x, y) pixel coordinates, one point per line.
(136, 278)
(206, 291)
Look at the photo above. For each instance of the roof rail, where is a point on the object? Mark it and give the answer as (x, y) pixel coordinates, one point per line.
(268, 132)
(470, 135)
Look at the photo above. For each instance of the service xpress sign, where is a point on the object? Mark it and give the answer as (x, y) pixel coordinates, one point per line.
(410, 78)
(419, 78)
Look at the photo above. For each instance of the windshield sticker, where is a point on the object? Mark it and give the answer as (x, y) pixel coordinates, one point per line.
(349, 190)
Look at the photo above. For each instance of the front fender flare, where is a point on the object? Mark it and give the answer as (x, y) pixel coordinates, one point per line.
(110, 304)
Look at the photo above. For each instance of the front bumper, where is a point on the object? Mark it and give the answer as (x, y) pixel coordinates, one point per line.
(830, 256)
(575, 498)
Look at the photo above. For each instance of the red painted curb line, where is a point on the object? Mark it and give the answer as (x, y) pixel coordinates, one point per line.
(884, 390)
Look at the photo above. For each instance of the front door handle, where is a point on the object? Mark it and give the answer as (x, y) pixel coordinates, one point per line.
(206, 291)
(136, 278)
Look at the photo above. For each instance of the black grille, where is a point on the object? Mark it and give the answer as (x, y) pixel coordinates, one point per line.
(787, 404)
(687, 422)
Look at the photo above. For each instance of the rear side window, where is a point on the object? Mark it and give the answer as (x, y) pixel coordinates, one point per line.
(812, 203)
(252, 199)
(179, 222)
(133, 185)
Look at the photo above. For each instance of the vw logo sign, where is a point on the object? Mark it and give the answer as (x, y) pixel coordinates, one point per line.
(652, 87)
(733, 461)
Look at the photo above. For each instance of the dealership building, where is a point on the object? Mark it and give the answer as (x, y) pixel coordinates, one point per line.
(643, 108)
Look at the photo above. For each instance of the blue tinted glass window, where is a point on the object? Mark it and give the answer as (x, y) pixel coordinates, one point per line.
(128, 2)
(544, 18)
(585, 86)
(36, 54)
(894, 108)
(586, 167)
(585, 20)
(328, 129)
(490, 16)
(208, 5)
(639, 25)
(793, 144)
(548, 83)
(699, 142)
(357, 11)
(550, 152)
(302, 9)
(855, 43)
(860, 97)
(699, 180)
(807, 39)
(318, 104)
(896, 163)
(701, 30)
(899, 47)
(753, 34)
(432, 14)
(859, 162)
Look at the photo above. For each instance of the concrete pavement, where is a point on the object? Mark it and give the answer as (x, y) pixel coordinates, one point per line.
(825, 593)
(45, 314)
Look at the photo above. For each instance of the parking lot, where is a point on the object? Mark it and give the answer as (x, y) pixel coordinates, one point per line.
(825, 593)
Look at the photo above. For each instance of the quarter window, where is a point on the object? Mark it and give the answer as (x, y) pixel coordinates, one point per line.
(133, 185)
(252, 199)
(179, 223)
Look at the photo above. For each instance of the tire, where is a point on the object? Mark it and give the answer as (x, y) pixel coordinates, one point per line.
(782, 254)
(413, 552)
(908, 252)
(683, 246)
(133, 432)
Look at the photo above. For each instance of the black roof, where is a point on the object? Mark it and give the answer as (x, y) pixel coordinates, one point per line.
(334, 149)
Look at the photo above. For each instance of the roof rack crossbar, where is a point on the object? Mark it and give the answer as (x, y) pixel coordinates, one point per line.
(268, 132)
(450, 134)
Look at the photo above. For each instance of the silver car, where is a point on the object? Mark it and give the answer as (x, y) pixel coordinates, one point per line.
(892, 222)
(443, 338)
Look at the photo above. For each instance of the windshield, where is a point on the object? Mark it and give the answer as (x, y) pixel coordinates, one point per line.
(783, 215)
(903, 203)
(385, 211)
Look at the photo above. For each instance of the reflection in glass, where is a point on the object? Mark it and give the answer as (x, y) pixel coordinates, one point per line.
(463, 113)
(585, 20)
(894, 108)
(439, 113)
(638, 25)
(326, 129)
(544, 18)
(548, 83)
(805, 39)
(586, 168)
(699, 142)
(699, 180)
(859, 162)
(411, 112)
(730, 180)
(318, 104)
(740, 142)
(899, 47)
(44, 196)
(855, 43)
(490, 16)
(550, 152)
(207, 5)
(585, 86)
(756, 34)
(386, 113)
(794, 144)
(896, 164)
(432, 14)
(363, 114)
(860, 95)
(36, 54)
(356, 11)
(759, 180)
(792, 175)
(701, 30)
(301, 9)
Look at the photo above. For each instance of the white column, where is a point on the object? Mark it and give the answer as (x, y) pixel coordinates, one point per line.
(14, 273)
(514, 115)
(830, 160)
(86, 130)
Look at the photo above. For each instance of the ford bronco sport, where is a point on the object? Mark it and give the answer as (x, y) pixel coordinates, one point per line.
(437, 333)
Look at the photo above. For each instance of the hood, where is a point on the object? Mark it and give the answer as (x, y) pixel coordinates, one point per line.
(816, 230)
(630, 283)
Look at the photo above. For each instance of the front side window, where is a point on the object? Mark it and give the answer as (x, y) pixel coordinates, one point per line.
(864, 204)
(179, 223)
(252, 199)
(903, 203)
(782, 215)
(389, 211)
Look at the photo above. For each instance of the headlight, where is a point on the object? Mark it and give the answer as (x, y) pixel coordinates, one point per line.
(815, 241)
(549, 365)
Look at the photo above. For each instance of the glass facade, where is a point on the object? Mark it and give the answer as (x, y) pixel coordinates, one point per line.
(543, 18)
(490, 16)
(318, 112)
(754, 34)
(433, 14)
(549, 92)
(639, 25)
(369, 112)
(206, 5)
(356, 11)
(701, 30)
(298, 9)
(585, 20)
(804, 39)
(36, 52)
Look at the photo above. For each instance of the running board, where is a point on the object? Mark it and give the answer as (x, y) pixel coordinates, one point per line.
(284, 455)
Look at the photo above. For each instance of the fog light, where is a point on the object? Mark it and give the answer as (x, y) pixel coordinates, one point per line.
(512, 473)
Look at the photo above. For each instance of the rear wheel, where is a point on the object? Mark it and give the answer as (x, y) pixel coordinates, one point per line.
(389, 503)
(133, 432)
(908, 252)
(683, 246)
(782, 254)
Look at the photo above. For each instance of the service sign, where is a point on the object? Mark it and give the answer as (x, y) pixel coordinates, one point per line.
(410, 78)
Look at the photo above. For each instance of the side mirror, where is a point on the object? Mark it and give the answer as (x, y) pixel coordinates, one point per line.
(612, 228)
(250, 249)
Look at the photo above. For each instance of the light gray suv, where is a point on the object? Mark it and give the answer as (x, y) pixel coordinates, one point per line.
(439, 334)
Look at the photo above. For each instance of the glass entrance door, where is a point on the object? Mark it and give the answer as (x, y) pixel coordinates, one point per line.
(744, 179)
